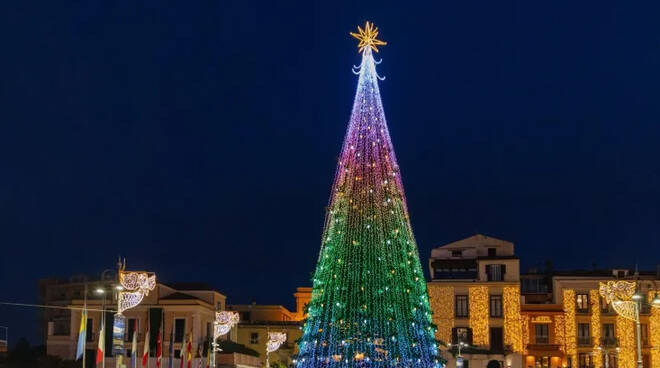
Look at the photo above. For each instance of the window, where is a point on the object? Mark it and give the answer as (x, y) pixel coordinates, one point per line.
(533, 285)
(582, 303)
(644, 334)
(209, 334)
(130, 329)
(496, 305)
(584, 337)
(584, 360)
(254, 338)
(456, 253)
(179, 329)
(495, 272)
(218, 306)
(177, 353)
(613, 363)
(608, 334)
(541, 335)
(604, 307)
(89, 334)
(492, 252)
(462, 306)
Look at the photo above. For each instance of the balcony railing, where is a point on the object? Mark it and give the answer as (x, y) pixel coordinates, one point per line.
(584, 340)
(608, 341)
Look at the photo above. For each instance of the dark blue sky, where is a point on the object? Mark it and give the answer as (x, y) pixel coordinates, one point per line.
(199, 140)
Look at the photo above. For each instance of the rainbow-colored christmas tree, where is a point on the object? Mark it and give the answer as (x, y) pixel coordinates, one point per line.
(369, 305)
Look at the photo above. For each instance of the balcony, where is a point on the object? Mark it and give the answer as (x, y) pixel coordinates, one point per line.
(608, 341)
(584, 340)
(544, 348)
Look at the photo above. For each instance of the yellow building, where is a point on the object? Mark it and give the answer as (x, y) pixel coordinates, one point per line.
(257, 320)
(577, 328)
(475, 298)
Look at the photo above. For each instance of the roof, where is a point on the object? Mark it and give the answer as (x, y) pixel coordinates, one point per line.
(179, 296)
(477, 240)
(191, 286)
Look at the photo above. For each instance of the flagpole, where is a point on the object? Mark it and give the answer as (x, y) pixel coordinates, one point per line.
(85, 313)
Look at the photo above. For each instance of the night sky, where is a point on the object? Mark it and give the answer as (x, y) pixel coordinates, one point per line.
(200, 140)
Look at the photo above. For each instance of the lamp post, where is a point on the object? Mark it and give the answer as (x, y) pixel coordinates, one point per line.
(224, 321)
(626, 300)
(605, 349)
(459, 357)
(101, 291)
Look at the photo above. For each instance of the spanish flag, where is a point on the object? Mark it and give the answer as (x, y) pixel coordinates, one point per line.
(82, 334)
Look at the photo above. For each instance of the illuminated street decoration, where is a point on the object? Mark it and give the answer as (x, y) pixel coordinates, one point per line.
(619, 295)
(275, 340)
(224, 321)
(654, 333)
(625, 333)
(369, 302)
(136, 285)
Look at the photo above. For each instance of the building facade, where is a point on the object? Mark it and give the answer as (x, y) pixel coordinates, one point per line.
(475, 296)
(176, 309)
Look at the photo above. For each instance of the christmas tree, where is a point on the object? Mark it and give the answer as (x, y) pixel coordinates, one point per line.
(369, 305)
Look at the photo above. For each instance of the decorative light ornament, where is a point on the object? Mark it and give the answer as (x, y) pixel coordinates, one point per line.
(136, 285)
(275, 340)
(620, 295)
(224, 321)
(367, 37)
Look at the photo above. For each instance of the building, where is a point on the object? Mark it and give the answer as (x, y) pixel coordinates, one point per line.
(475, 297)
(257, 320)
(177, 309)
(567, 323)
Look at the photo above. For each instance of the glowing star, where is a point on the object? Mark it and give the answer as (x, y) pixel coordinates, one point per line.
(275, 340)
(367, 37)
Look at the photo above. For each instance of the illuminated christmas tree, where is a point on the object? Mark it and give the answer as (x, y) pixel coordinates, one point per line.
(369, 305)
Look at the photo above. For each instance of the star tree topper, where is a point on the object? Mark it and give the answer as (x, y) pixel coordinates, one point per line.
(367, 37)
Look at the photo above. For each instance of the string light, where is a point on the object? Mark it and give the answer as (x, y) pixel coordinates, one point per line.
(654, 332)
(479, 314)
(360, 266)
(442, 303)
(625, 333)
(594, 300)
(570, 337)
(512, 326)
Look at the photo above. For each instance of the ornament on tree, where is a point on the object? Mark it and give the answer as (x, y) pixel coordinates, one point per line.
(369, 305)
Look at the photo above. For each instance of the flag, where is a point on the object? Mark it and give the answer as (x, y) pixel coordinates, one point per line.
(134, 346)
(159, 349)
(182, 353)
(145, 355)
(100, 350)
(82, 334)
(171, 352)
(189, 350)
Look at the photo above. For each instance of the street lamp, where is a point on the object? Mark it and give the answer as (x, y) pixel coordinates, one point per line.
(459, 357)
(605, 350)
(101, 291)
(224, 321)
(656, 301)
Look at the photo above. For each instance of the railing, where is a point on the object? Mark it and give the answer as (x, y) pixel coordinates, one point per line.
(544, 347)
(584, 340)
(608, 341)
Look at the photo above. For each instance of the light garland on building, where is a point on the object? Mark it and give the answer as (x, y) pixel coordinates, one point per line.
(525, 332)
(654, 333)
(570, 337)
(512, 325)
(442, 304)
(560, 331)
(619, 295)
(595, 327)
(479, 314)
(625, 332)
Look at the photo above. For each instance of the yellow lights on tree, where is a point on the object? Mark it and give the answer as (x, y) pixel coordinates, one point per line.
(512, 325)
(595, 327)
(570, 336)
(479, 314)
(442, 304)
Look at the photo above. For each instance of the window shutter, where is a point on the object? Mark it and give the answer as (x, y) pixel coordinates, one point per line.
(503, 271)
(454, 336)
(488, 273)
(470, 336)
